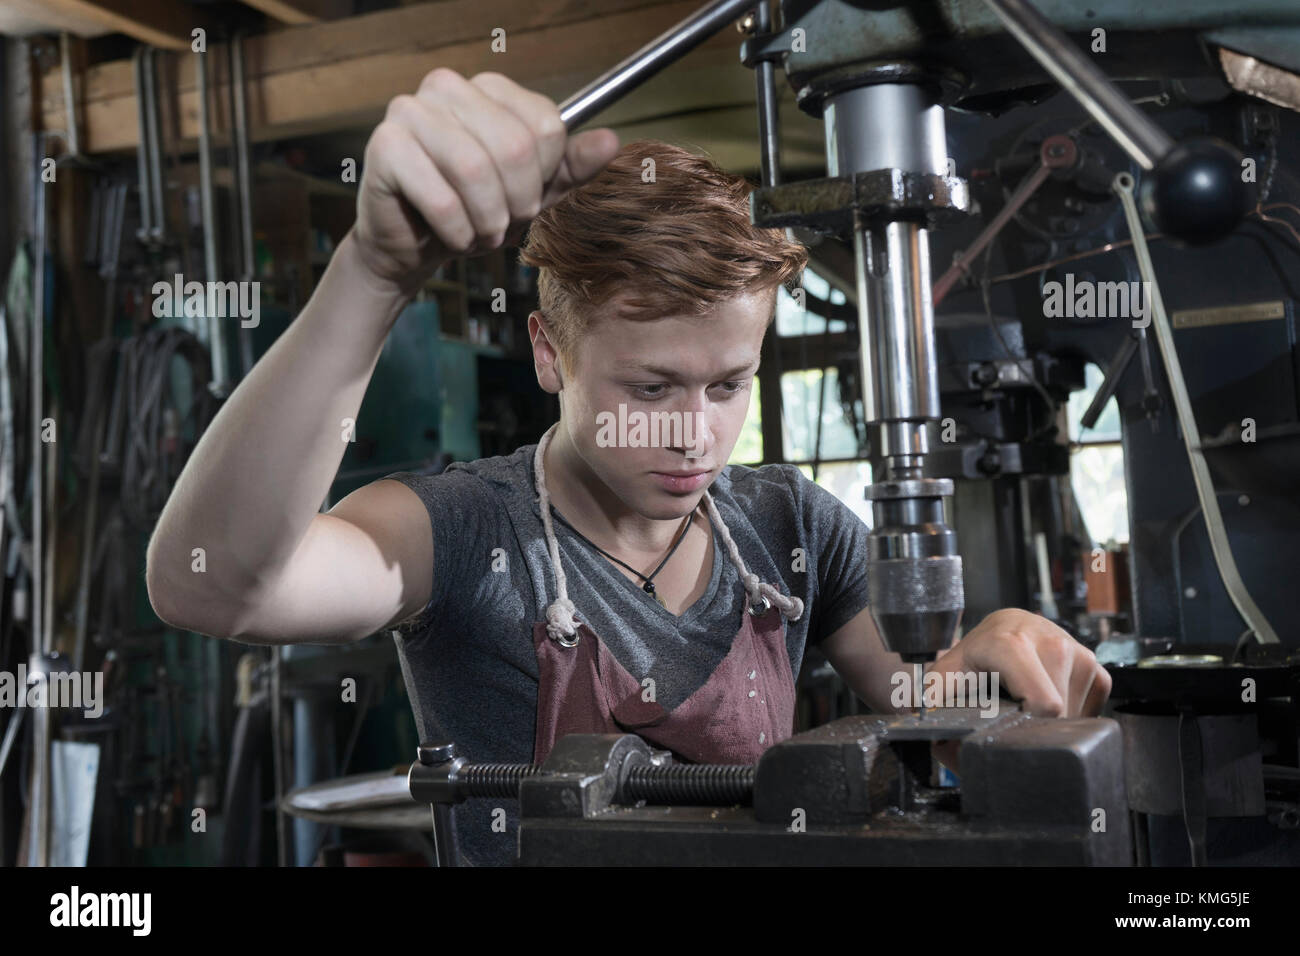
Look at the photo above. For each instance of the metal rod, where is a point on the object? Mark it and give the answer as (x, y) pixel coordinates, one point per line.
(1114, 372)
(37, 367)
(214, 337)
(159, 225)
(142, 150)
(242, 177)
(445, 844)
(11, 734)
(769, 117)
(1135, 133)
(38, 831)
(278, 755)
(1028, 186)
(660, 52)
(244, 184)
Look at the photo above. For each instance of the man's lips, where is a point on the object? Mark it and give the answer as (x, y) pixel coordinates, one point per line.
(682, 482)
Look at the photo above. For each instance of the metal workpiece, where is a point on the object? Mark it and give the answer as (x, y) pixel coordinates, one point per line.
(855, 791)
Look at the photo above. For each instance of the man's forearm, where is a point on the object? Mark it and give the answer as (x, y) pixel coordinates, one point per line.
(263, 467)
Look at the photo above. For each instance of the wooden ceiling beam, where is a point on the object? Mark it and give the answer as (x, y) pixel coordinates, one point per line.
(298, 12)
(161, 23)
(340, 75)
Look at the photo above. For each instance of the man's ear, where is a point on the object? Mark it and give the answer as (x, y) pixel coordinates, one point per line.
(546, 357)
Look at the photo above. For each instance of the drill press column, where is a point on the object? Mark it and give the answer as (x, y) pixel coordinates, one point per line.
(914, 574)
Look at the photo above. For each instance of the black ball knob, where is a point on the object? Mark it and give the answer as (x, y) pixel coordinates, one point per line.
(1197, 192)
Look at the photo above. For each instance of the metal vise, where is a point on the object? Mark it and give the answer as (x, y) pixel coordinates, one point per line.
(1034, 791)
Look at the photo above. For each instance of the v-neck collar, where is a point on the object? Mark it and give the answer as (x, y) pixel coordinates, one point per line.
(678, 620)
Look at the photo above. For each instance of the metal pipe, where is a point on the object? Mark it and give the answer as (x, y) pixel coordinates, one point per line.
(1114, 372)
(244, 185)
(769, 118)
(37, 367)
(1105, 102)
(660, 52)
(897, 323)
(215, 337)
(142, 149)
(11, 734)
(242, 177)
(38, 833)
(157, 230)
(278, 755)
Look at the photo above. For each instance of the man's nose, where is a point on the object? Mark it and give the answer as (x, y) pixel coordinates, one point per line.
(697, 434)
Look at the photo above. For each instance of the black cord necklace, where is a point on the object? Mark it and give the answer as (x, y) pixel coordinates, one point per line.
(649, 586)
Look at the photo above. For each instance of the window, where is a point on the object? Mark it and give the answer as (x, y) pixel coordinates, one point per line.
(846, 480)
(792, 320)
(1097, 465)
(806, 395)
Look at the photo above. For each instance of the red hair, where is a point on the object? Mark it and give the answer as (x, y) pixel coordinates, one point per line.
(677, 243)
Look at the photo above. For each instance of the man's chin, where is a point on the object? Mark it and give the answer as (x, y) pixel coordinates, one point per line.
(655, 503)
(665, 506)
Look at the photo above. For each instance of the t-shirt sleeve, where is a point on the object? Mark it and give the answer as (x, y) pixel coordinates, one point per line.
(837, 541)
(466, 521)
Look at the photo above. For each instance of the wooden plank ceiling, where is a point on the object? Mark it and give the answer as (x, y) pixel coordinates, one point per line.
(315, 70)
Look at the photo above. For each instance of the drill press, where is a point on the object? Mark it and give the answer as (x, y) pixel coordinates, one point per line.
(894, 132)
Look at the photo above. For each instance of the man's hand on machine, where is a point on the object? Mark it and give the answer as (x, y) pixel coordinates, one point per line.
(460, 167)
(1036, 662)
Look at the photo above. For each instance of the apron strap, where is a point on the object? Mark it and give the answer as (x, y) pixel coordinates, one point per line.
(561, 624)
(761, 594)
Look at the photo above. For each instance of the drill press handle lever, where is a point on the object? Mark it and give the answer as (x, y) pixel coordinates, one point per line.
(1194, 190)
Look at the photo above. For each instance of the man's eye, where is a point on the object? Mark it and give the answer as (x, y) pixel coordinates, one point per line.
(650, 391)
(732, 387)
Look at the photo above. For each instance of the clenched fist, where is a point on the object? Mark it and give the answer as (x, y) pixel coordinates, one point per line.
(461, 167)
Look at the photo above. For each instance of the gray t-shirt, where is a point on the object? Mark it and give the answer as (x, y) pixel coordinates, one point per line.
(468, 657)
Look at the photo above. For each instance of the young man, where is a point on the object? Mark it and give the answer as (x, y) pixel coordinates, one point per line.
(598, 581)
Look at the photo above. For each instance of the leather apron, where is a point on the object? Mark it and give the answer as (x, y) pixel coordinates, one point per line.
(745, 706)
